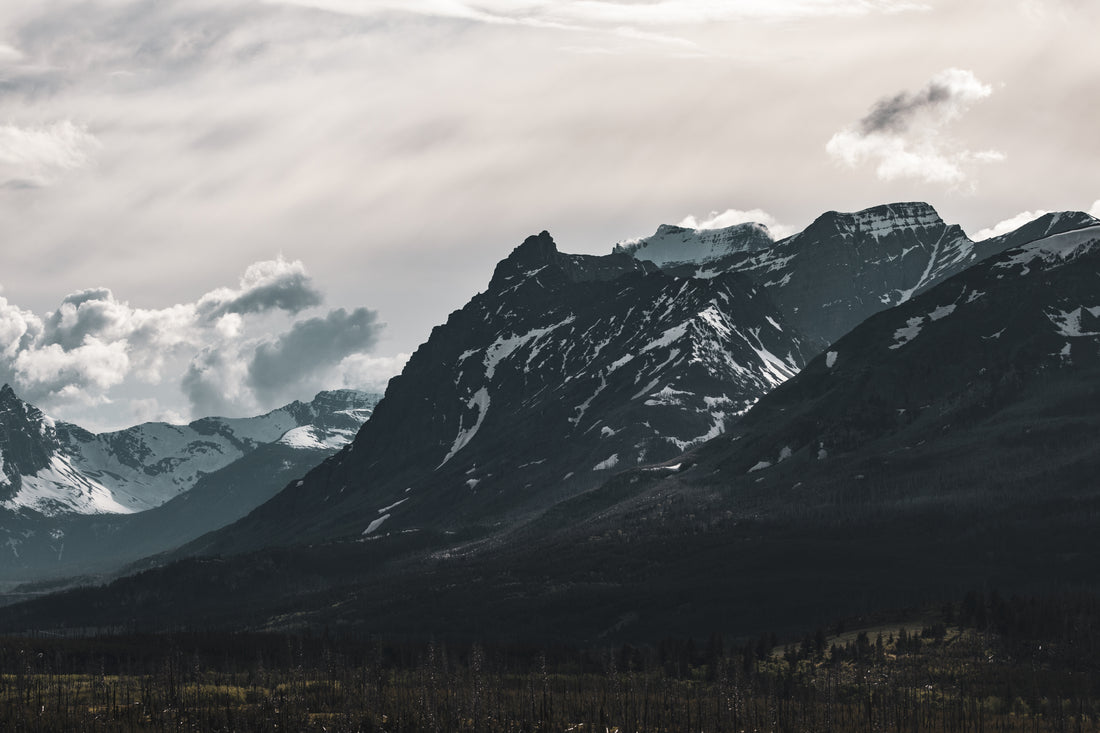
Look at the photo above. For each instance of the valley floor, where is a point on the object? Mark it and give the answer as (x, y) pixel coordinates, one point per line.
(986, 664)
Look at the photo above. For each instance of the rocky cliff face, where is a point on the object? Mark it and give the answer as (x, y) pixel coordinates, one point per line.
(565, 369)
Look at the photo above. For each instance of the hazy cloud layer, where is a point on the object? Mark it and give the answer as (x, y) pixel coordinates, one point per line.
(40, 155)
(905, 134)
(571, 14)
(219, 350)
(403, 148)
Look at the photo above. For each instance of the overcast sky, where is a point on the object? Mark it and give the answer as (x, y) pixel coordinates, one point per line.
(217, 206)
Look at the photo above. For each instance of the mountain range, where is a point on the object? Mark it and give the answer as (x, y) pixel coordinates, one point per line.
(72, 501)
(570, 367)
(699, 431)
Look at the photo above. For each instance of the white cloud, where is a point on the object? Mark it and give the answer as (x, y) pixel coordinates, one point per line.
(730, 217)
(40, 155)
(904, 133)
(1008, 225)
(267, 285)
(370, 373)
(93, 343)
(17, 328)
(1095, 210)
(81, 374)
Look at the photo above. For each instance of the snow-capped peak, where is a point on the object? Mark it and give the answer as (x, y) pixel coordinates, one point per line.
(58, 468)
(675, 244)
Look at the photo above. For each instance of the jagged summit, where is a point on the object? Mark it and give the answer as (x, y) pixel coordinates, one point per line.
(537, 260)
(27, 440)
(538, 249)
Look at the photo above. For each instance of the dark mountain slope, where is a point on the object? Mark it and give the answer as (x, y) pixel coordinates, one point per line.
(567, 367)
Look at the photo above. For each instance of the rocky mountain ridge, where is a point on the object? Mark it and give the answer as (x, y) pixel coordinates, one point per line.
(73, 501)
(568, 367)
(945, 444)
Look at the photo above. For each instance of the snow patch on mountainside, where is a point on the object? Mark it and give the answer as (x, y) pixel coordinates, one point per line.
(504, 346)
(607, 464)
(373, 526)
(1069, 322)
(387, 509)
(480, 400)
(942, 312)
(61, 489)
(310, 437)
(907, 333)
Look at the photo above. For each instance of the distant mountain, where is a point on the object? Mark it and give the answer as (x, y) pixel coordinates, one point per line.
(36, 473)
(65, 487)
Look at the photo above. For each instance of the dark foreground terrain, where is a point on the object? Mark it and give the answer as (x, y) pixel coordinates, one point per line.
(987, 663)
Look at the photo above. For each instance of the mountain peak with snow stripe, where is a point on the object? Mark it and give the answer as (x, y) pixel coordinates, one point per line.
(879, 220)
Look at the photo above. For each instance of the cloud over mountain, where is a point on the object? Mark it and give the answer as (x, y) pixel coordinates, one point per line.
(220, 349)
(730, 217)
